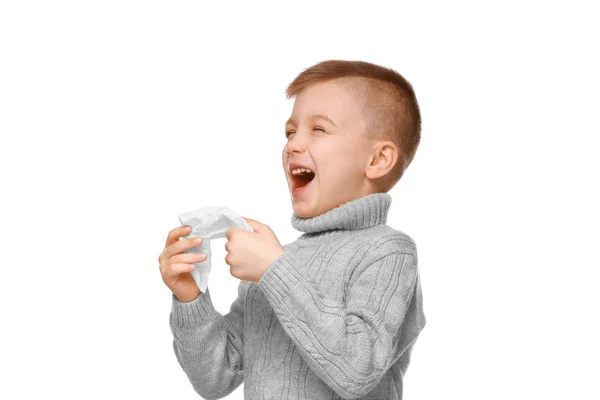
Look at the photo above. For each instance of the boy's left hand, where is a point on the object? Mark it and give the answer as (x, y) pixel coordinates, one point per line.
(250, 254)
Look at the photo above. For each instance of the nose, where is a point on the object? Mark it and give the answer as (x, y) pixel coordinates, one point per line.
(295, 144)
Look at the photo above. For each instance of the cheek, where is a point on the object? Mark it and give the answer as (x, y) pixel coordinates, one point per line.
(336, 168)
(347, 163)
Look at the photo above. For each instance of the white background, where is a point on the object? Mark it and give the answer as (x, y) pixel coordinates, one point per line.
(116, 116)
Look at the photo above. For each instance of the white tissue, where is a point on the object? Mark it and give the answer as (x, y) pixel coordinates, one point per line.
(209, 223)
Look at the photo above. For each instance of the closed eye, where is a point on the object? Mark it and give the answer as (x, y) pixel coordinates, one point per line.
(288, 133)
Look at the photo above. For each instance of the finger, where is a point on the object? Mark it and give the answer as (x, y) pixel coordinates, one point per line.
(230, 232)
(176, 233)
(177, 269)
(188, 258)
(256, 226)
(182, 245)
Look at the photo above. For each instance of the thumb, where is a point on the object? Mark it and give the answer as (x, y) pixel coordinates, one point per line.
(257, 226)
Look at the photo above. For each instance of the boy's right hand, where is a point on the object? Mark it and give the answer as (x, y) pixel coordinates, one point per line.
(176, 267)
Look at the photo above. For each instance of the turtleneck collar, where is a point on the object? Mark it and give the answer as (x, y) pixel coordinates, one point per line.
(360, 213)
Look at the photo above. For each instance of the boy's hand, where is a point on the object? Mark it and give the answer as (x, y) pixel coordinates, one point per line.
(250, 254)
(175, 267)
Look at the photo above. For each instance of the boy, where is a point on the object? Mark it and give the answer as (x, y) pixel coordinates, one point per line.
(334, 314)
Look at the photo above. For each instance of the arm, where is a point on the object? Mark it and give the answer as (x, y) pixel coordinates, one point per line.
(350, 345)
(208, 345)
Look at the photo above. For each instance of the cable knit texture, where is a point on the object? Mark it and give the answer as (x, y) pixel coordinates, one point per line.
(335, 316)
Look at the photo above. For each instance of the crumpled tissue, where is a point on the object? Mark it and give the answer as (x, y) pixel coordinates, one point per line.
(209, 223)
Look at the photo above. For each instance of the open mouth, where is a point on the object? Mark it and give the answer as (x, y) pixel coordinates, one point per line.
(302, 179)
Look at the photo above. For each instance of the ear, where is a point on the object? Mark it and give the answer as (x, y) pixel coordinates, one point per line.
(384, 158)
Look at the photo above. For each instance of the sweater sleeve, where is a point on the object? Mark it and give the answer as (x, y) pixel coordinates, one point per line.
(208, 345)
(350, 345)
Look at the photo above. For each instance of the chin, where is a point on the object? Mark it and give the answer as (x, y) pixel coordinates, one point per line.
(303, 210)
(306, 205)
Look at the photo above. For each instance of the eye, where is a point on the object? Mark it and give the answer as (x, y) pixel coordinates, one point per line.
(318, 128)
(288, 133)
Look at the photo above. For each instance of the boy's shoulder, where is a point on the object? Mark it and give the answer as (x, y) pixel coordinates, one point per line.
(385, 240)
(378, 242)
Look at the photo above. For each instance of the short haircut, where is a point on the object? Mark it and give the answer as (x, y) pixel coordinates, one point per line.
(391, 108)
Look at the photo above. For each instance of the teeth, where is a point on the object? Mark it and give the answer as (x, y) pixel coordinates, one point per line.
(298, 171)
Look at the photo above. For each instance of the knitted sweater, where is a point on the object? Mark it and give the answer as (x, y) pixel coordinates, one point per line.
(335, 316)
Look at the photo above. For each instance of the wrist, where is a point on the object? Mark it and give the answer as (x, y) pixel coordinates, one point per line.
(186, 298)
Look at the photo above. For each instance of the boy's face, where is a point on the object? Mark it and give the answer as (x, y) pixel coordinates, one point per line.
(337, 151)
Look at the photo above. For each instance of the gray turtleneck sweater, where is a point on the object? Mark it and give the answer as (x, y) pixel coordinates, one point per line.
(335, 316)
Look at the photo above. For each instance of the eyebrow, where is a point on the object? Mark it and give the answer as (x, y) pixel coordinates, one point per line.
(312, 118)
